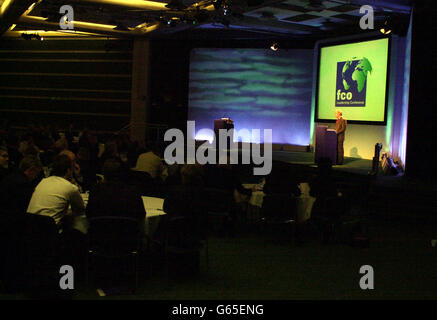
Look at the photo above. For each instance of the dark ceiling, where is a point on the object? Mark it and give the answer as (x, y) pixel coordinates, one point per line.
(188, 19)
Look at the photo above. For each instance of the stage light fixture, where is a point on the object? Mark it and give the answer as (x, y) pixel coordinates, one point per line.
(386, 28)
(274, 46)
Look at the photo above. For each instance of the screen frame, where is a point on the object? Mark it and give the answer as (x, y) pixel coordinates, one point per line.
(335, 42)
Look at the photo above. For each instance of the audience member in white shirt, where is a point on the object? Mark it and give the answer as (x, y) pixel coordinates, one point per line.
(54, 195)
(151, 163)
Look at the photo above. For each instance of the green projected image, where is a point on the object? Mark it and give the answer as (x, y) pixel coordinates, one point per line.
(353, 78)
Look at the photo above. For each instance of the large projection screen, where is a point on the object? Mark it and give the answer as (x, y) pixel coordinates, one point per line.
(257, 88)
(353, 78)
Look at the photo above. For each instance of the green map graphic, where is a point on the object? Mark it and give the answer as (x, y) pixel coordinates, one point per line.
(359, 72)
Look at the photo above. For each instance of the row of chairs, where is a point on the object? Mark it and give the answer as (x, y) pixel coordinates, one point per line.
(120, 237)
(44, 250)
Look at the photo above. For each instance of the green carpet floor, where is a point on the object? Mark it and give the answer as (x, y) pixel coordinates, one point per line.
(266, 266)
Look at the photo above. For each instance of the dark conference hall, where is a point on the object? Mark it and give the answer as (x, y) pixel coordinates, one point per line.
(221, 153)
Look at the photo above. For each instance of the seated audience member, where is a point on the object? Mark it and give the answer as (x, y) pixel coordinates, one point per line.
(87, 155)
(281, 190)
(26, 147)
(61, 144)
(76, 177)
(113, 197)
(128, 151)
(323, 186)
(69, 134)
(174, 175)
(226, 177)
(330, 205)
(15, 193)
(53, 195)
(87, 170)
(4, 162)
(110, 152)
(132, 154)
(151, 163)
(16, 189)
(42, 137)
(186, 200)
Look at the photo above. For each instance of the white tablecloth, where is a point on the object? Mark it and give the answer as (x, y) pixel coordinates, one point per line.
(152, 206)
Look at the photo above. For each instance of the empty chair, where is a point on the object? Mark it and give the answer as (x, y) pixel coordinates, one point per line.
(42, 253)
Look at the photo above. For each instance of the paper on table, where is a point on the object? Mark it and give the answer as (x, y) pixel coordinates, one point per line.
(85, 197)
(153, 206)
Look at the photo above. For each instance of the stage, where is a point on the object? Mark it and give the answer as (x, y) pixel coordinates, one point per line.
(351, 165)
(299, 156)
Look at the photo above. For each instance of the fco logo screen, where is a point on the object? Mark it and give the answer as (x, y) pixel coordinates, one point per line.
(351, 85)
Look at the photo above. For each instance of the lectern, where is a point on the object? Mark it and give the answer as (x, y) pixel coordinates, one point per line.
(326, 144)
(223, 123)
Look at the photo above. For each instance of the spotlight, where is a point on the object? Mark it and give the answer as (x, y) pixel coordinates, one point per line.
(386, 28)
(274, 46)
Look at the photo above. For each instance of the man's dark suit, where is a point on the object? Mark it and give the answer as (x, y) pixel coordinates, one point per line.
(340, 128)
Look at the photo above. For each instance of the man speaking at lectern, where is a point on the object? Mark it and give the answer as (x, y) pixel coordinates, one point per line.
(340, 128)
